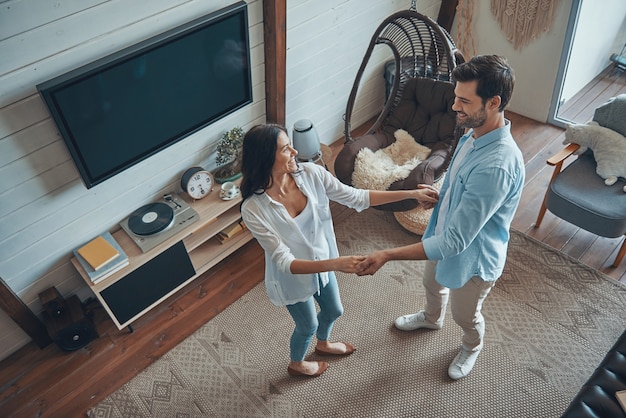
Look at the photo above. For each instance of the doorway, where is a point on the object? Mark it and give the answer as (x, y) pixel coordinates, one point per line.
(585, 67)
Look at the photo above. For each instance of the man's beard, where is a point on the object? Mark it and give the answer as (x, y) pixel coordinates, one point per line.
(473, 121)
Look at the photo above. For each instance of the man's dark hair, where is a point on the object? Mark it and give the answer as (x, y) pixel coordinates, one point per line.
(494, 76)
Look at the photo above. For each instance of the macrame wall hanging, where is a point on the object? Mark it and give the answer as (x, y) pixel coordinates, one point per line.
(465, 39)
(523, 20)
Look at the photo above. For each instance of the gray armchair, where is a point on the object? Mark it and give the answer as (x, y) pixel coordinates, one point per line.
(577, 194)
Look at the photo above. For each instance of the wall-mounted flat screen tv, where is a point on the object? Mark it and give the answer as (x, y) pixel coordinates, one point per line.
(123, 108)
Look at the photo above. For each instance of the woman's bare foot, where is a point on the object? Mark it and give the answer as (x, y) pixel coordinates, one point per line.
(307, 368)
(337, 348)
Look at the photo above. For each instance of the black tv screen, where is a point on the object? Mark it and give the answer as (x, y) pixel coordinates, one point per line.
(125, 107)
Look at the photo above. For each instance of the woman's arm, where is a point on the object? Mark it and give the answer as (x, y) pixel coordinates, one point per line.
(272, 243)
(345, 264)
(425, 194)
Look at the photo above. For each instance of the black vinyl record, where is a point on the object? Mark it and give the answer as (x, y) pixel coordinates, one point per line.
(151, 218)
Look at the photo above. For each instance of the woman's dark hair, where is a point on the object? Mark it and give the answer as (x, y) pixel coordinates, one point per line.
(494, 76)
(258, 156)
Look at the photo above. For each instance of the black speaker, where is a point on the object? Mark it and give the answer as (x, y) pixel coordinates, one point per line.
(65, 320)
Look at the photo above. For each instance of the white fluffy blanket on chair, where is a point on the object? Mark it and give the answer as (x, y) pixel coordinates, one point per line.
(377, 170)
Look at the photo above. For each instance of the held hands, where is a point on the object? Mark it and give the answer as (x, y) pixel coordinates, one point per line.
(427, 196)
(348, 263)
(359, 264)
(371, 264)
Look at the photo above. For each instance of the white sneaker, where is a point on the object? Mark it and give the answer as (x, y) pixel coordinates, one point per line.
(414, 321)
(463, 363)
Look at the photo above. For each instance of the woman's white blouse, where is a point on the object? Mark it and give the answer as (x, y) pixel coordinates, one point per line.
(284, 241)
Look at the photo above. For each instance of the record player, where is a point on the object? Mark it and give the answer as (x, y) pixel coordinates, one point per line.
(154, 223)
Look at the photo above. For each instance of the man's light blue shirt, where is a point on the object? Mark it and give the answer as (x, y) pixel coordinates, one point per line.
(484, 195)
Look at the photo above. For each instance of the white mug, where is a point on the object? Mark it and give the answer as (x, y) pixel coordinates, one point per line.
(229, 190)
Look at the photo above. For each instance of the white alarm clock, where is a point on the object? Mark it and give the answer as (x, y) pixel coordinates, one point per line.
(197, 182)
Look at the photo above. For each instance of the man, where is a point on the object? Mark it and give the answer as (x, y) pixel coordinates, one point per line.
(467, 237)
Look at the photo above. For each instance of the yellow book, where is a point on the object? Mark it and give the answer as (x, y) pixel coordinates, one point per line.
(231, 230)
(98, 252)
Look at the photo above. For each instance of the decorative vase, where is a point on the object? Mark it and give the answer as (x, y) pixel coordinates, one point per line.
(230, 171)
(229, 154)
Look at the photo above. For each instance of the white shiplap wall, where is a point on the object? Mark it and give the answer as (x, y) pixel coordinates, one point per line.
(45, 210)
(326, 41)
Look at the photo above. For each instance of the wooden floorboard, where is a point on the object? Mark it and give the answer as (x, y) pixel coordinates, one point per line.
(68, 384)
(580, 108)
(48, 382)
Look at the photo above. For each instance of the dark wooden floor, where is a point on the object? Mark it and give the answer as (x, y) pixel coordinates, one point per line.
(51, 383)
(610, 83)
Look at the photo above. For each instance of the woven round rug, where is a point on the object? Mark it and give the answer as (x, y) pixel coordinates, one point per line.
(550, 320)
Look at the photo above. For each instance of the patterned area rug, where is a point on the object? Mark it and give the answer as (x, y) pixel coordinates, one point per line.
(550, 321)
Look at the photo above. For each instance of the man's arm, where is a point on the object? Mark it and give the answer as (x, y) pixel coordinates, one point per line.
(377, 259)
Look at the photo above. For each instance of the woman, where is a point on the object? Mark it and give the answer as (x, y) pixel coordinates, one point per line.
(286, 208)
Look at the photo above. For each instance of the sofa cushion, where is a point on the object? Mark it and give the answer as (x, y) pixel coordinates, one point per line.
(425, 112)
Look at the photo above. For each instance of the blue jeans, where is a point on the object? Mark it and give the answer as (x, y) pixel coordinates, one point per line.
(309, 322)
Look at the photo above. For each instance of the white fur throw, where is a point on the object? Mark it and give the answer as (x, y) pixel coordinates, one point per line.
(377, 170)
(608, 146)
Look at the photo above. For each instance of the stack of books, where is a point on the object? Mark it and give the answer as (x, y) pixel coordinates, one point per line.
(101, 257)
(230, 231)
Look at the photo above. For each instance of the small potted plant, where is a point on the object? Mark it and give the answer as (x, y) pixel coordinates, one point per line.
(228, 156)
